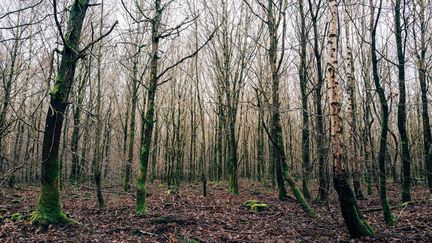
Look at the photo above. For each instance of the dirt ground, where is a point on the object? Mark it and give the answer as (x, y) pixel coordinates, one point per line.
(185, 216)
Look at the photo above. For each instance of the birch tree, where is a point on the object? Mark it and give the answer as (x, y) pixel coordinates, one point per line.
(355, 223)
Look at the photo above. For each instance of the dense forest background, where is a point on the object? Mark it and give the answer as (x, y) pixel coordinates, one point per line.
(310, 98)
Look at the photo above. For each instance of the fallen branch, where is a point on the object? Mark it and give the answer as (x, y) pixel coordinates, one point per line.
(403, 205)
(107, 191)
(147, 233)
(11, 172)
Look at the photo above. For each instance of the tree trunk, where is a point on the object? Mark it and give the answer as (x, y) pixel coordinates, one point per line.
(406, 160)
(354, 155)
(319, 123)
(422, 72)
(357, 227)
(98, 149)
(134, 100)
(276, 137)
(306, 166)
(388, 216)
(74, 175)
(148, 119)
(48, 209)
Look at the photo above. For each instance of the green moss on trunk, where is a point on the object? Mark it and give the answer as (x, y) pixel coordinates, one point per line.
(357, 227)
(389, 217)
(297, 193)
(233, 185)
(141, 193)
(49, 209)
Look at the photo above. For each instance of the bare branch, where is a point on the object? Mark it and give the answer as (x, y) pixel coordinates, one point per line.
(190, 55)
(98, 39)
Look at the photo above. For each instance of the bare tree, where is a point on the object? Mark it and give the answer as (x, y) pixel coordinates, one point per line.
(49, 210)
(356, 225)
(388, 216)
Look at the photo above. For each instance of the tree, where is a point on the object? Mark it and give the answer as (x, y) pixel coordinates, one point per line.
(421, 49)
(98, 149)
(352, 108)
(406, 160)
(303, 73)
(135, 78)
(275, 21)
(231, 55)
(357, 227)
(388, 216)
(158, 33)
(75, 167)
(48, 209)
(319, 123)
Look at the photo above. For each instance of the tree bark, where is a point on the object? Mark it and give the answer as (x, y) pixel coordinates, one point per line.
(48, 209)
(319, 123)
(388, 216)
(406, 159)
(306, 165)
(357, 227)
(422, 74)
(148, 119)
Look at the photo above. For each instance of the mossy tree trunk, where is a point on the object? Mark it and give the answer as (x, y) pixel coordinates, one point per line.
(357, 227)
(406, 159)
(276, 21)
(48, 209)
(273, 25)
(388, 216)
(147, 121)
(148, 114)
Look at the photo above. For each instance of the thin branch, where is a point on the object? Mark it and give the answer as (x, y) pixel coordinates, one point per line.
(21, 9)
(98, 39)
(190, 55)
(57, 22)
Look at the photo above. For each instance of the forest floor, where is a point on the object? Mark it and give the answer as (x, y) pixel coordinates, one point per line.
(186, 216)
